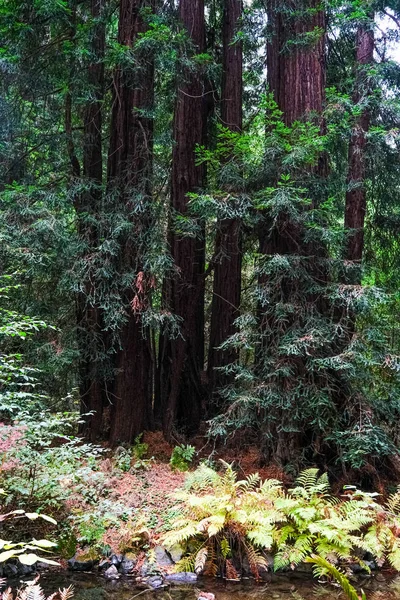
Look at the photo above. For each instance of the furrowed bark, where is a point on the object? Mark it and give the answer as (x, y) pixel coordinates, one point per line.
(227, 256)
(130, 162)
(181, 359)
(90, 335)
(296, 77)
(356, 196)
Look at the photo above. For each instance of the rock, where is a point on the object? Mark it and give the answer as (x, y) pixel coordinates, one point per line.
(25, 570)
(162, 558)
(357, 568)
(10, 570)
(116, 559)
(111, 572)
(155, 582)
(176, 553)
(103, 564)
(77, 565)
(181, 578)
(127, 566)
(205, 596)
(145, 569)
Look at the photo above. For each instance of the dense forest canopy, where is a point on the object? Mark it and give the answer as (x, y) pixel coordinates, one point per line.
(199, 222)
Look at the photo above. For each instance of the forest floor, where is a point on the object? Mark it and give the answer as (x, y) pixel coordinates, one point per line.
(118, 504)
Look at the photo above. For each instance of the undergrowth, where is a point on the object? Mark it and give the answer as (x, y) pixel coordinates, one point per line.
(228, 523)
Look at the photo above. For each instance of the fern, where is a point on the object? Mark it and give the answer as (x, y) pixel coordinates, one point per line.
(323, 567)
(33, 591)
(200, 560)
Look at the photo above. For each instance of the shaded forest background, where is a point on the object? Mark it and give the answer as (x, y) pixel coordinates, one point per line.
(199, 221)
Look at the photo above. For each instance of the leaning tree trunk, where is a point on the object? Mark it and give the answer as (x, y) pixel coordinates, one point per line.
(356, 197)
(130, 162)
(181, 359)
(92, 389)
(228, 256)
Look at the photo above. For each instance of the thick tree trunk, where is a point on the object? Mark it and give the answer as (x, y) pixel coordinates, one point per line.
(181, 359)
(228, 257)
(296, 68)
(296, 76)
(129, 175)
(356, 199)
(90, 319)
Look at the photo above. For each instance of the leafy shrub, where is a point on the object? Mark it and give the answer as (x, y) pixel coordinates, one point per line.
(225, 519)
(181, 457)
(25, 552)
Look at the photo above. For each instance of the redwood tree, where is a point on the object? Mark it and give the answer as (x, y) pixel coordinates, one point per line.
(356, 200)
(296, 77)
(227, 259)
(89, 314)
(181, 359)
(129, 180)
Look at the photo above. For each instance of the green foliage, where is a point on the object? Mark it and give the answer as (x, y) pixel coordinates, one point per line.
(323, 567)
(231, 518)
(26, 552)
(182, 456)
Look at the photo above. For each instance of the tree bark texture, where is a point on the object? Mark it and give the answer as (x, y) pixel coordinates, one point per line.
(129, 177)
(181, 359)
(90, 336)
(356, 197)
(227, 257)
(296, 57)
(296, 77)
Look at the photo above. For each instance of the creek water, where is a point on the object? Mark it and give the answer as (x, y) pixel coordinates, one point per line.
(92, 587)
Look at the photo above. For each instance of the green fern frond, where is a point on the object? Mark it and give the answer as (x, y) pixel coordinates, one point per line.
(250, 483)
(323, 567)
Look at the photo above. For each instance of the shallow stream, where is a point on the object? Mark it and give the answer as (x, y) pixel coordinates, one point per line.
(92, 587)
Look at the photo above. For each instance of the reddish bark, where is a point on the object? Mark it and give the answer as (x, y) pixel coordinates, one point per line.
(296, 68)
(181, 359)
(296, 76)
(228, 256)
(356, 198)
(129, 174)
(89, 332)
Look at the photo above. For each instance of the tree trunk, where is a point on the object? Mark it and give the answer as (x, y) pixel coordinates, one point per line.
(295, 66)
(296, 77)
(356, 199)
(129, 176)
(90, 318)
(181, 359)
(228, 257)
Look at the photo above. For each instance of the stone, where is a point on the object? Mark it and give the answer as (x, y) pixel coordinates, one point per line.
(116, 559)
(104, 564)
(162, 558)
(111, 572)
(145, 569)
(78, 565)
(10, 570)
(181, 578)
(176, 553)
(25, 570)
(127, 566)
(206, 596)
(155, 582)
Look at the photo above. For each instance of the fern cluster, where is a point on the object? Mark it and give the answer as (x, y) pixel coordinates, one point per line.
(33, 591)
(228, 523)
